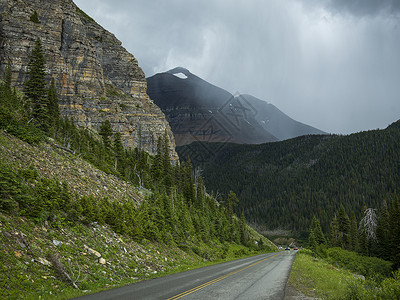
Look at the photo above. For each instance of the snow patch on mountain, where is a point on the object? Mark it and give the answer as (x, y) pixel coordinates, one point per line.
(180, 75)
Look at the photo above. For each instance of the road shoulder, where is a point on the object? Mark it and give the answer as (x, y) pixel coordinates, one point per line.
(292, 294)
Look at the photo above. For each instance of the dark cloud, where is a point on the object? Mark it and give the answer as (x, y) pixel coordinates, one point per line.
(366, 7)
(360, 8)
(333, 64)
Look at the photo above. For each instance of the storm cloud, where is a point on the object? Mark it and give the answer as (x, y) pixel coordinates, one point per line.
(361, 8)
(332, 64)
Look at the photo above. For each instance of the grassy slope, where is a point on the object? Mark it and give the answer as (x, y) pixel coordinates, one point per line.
(317, 278)
(320, 278)
(25, 247)
(52, 162)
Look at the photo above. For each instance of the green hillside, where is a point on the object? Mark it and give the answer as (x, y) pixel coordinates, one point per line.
(284, 184)
(79, 213)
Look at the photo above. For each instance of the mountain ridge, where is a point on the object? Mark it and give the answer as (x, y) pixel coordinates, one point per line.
(191, 104)
(282, 185)
(277, 122)
(200, 111)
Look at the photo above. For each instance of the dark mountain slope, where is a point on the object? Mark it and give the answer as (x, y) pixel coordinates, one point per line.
(168, 90)
(284, 184)
(199, 111)
(276, 122)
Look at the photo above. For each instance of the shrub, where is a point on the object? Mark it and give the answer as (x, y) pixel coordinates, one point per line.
(9, 188)
(367, 266)
(35, 18)
(307, 252)
(389, 289)
(320, 251)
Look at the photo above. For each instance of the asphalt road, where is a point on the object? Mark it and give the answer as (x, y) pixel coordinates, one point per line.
(258, 277)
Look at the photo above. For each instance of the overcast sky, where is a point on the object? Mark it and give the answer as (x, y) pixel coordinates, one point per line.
(332, 64)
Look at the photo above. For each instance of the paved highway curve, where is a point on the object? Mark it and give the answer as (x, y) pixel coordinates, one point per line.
(259, 277)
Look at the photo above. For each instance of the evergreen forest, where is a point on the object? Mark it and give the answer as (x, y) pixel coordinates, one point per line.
(283, 185)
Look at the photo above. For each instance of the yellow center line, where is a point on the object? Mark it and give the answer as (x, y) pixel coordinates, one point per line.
(217, 279)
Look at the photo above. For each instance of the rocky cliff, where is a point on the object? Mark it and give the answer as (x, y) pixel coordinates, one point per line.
(96, 78)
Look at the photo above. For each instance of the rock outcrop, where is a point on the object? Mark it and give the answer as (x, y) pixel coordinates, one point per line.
(96, 78)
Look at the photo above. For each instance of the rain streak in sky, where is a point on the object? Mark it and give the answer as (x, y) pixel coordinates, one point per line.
(332, 64)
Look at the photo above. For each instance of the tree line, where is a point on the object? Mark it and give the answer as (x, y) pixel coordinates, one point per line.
(367, 247)
(376, 233)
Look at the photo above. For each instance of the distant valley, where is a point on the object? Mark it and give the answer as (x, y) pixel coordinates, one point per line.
(283, 185)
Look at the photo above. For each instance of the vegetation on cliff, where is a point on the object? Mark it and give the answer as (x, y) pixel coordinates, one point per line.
(96, 78)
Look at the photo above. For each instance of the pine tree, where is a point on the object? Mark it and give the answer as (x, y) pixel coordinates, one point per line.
(368, 225)
(243, 230)
(157, 166)
(53, 106)
(363, 240)
(353, 232)
(165, 152)
(317, 231)
(383, 233)
(35, 87)
(343, 222)
(188, 183)
(231, 202)
(6, 89)
(119, 152)
(106, 132)
(139, 147)
(200, 193)
(7, 82)
(185, 223)
(312, 240)
(35, 17)
(168, 213)
(334, 236)
(166, 161)
(394, 224)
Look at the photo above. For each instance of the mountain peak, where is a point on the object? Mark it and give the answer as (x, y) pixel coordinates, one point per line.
(199, 111)
(191, 103)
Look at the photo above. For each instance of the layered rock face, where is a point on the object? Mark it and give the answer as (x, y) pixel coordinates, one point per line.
(96, 78)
